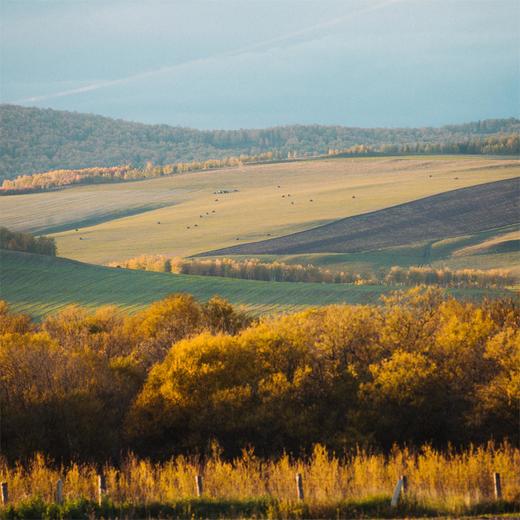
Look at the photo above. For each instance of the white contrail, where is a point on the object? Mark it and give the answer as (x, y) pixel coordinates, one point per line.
(228, 54)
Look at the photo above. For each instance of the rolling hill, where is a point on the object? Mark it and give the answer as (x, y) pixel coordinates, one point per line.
(40, 285)
(34, 140)
(506, 243)
(450, 214)
(489, 249)
(112, 222)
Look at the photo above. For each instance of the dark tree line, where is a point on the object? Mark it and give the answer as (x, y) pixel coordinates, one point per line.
(500, 144)
(26, 242)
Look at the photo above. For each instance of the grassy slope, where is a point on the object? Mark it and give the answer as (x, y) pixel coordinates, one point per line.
(490, 249)
(442, 255)
(250, 214)
(504, 243)
(464, 251)
(451, 214)
(40, 285)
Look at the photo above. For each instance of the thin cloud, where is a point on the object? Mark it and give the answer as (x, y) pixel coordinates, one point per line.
(264, 45)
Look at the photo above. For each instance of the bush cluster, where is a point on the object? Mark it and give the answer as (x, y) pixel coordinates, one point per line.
(172, 378)
(26, 242)
(445, 277)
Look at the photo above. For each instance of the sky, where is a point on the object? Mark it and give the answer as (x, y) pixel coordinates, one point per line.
(261, 63)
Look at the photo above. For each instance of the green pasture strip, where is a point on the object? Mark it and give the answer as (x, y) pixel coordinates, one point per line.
(41, 285)
(263, 507)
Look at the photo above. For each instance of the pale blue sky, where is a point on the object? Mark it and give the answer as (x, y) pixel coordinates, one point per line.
(258, 63)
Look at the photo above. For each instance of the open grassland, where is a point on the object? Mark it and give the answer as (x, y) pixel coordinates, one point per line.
(80, 206)
(40, 285)
(258, 209)
(451, 214)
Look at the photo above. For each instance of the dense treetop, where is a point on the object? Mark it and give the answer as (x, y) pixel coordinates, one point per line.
(179, 374)
(34, 140)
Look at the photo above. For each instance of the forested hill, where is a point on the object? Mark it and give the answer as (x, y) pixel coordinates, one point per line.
(34, 140)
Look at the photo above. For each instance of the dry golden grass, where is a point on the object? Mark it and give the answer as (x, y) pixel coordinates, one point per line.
(450, 480)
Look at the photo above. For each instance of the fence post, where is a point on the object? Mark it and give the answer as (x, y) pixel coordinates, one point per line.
(5, 493)
(404, 490)
(299, 486)
(199, 485)
(498, 486)
(59, 492)
(102, 488)
(397, 493)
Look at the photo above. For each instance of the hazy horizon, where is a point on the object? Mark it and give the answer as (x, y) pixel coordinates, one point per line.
(229, 64)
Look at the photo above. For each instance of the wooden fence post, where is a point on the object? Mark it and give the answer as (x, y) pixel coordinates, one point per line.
(59, 492)
(498, 486)
(102, 488)
(404, 478)
(5, 493)
(199, 485)
(397, 493)
(299, 486)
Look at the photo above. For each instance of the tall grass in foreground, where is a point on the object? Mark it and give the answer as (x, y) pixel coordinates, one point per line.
(447, 481)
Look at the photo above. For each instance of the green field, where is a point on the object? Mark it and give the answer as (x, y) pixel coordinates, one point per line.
(40, 285)
(254, 212)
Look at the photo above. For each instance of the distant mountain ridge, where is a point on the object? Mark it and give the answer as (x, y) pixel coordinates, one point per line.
(35, 140)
